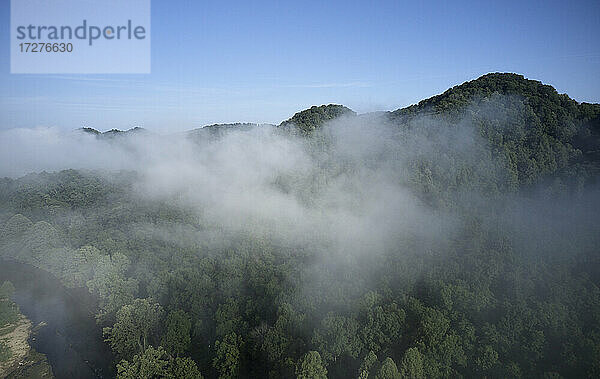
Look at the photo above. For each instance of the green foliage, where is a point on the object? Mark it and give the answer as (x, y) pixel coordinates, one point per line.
(9, 311)
(533, 131)
(381, 324)
(15, 227)
(148, 364)
(183, 368)
(337, 336)
(7, 291)
(156, 363)
(411, 365)
(311, 366)
(135, 329)
(111, 285)
(227, 357)
(177, 336)
(5, 353)
(480, 303)
(310, 119)
(367, 365)
(388, 370)
(41, 237)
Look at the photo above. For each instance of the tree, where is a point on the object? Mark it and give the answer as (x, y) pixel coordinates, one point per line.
(15, 227)
(135, 328)
(337, 336)
(151, 363)
(487, 358)
(366, 365)
(227, 356)
(6, 290)
(183, 368)
(41, 237)
(411, 365)
(311, 366)
(9, 311)
(275, 343)
(156, 363)
(381, 325)
(111, 285)
(177, 338)
(388, 370)
(228, 318)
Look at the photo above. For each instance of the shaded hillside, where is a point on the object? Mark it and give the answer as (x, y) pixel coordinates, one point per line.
(531, 128)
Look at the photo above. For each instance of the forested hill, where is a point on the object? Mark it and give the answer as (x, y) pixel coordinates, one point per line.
(540, 106)
(312, 118)
(539, 95)
(532, 130)
(113, 132)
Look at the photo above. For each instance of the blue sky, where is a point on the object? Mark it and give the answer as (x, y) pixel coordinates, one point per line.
(227, 61)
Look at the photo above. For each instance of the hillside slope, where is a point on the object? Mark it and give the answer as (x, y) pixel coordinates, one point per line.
(534, 129)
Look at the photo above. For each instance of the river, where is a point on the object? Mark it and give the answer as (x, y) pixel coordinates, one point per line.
(71, 339)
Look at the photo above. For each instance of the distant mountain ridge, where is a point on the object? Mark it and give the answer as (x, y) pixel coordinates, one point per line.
(529, 126)
(112, 132)
(448, 102)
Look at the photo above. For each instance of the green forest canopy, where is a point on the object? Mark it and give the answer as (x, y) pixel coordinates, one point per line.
(481, 305)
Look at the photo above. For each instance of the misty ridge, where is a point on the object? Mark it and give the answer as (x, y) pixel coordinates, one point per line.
(455, 237)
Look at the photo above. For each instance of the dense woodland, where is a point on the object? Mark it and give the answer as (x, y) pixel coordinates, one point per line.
(502, 295)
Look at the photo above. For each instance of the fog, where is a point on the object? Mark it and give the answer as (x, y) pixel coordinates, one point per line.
(354, 186)
(350, 195)
(361, 209)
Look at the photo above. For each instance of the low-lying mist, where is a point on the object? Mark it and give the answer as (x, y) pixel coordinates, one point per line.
(359, 184)
(370, 212)
(346, 187)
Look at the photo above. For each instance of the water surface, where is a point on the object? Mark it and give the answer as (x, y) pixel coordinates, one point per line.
(71, 339)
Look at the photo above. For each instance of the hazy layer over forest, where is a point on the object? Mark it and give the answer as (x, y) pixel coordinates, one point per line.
(456, 237)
